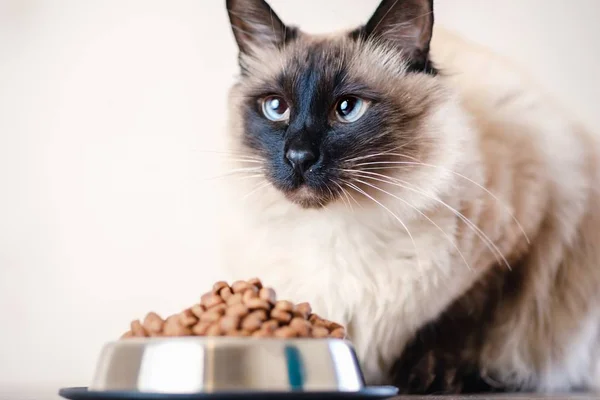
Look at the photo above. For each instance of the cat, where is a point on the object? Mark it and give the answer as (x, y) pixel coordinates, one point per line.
(422, 191)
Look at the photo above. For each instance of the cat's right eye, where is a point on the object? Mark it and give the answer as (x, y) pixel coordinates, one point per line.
(275, 108)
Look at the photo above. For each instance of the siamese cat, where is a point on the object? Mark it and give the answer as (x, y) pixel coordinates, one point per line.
(423, 192)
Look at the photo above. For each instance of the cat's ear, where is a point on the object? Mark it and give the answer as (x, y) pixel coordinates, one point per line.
(406, 24)
(255, 24)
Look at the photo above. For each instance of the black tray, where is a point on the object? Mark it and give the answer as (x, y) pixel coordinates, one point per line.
(374, 392)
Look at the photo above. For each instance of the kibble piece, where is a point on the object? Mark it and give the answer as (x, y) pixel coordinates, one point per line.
(226, 293)
(237, 310)
(319, 332)
(240, 286)
(187, 318)
(212, 300)
(249, 294)
(235, 299)
(338, 333)
(240, 333)
(218, 286)
(256, 303)
(173, 327)
(197, 310)
(270, 325)
(285, 332)
(256, 283)
(200, 328)
(332, 326)
(262, 333)
(260, 314)
(153, 323)
(214, 330)
(137, 329)
(301, 326)
(212, 315)
(229, 323)
(285, 305)
(280, 315)
(304, 309)
(268, 294)
(251, 323)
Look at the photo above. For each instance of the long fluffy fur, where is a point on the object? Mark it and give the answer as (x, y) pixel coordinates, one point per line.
(534, 326)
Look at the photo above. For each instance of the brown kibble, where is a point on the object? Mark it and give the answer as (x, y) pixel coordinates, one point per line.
(256, 303)
(301, 326)
(256, 283)
(235, 299)
(246, 308)
(240, 286)
(212, 301)
(260, 314)
(200, 328)
(251, 323)
(249, 294)
(214, 330)
(332, 326)
(137, 329)
(153, 323)
(226, 293)
(218, 286)
(285, 332)
(262, 333)
(197, 310)
(173, 327)
(187, 318)
(240, 333)
(212, 315)
(304, 309)
(270, 325)
(229, 323)
(237, 310)
(281, 316)
(319, 332)
(338, 333)
(285, 305)
(268, 294)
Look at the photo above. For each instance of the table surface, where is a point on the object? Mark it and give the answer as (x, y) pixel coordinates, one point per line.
(51, 393)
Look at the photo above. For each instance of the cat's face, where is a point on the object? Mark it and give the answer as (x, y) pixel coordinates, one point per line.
(319, 110)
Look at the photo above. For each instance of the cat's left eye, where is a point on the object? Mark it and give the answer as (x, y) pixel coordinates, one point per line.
(350, 109)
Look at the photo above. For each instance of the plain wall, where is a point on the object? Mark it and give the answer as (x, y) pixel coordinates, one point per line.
(108, 112)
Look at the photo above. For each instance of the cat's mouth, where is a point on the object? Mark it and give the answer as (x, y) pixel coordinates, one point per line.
(306, 197)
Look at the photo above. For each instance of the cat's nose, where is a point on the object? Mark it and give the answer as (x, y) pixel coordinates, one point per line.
(301, 158)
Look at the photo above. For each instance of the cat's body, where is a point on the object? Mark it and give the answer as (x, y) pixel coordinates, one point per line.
(535, 326)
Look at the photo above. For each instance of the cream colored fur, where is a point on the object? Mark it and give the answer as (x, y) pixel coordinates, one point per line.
(359, 266)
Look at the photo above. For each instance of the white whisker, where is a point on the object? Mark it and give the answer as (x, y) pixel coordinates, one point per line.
(359, 190)
(417, 162)
(420, 213)
(403, 184)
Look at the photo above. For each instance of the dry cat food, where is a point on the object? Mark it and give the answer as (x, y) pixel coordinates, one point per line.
(245, 308)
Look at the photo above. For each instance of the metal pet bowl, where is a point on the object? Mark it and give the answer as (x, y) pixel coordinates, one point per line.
(227, 368)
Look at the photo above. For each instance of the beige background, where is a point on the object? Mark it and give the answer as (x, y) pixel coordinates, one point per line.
(106, 111)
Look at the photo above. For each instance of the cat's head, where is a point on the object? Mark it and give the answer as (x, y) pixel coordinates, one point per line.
(329, 114)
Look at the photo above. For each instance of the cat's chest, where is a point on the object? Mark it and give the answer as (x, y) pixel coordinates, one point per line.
(335, 262)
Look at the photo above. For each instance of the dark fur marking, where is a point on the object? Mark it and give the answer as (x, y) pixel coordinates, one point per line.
(443, 357)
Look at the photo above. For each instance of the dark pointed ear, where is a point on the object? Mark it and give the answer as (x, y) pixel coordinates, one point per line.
(408, 25)
(255, 24)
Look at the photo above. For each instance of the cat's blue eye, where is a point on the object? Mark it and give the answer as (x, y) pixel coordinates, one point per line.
(275, 108)
(350, 109)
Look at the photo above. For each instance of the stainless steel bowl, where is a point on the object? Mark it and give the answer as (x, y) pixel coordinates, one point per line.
(221, 364)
